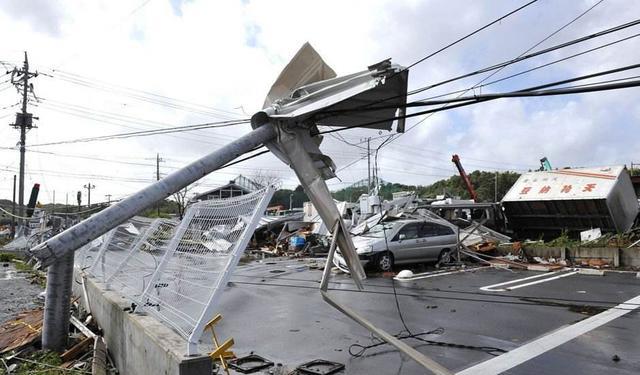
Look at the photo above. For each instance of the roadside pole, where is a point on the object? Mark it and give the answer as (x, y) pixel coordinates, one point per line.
(57, 307)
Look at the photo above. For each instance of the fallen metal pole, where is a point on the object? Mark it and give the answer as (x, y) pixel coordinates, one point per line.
(86, 231)
(57, 304)
(426, 362)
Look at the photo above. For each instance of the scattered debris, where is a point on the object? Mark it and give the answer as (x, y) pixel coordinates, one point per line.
(590, 235)
(99, 361)
(24, 330)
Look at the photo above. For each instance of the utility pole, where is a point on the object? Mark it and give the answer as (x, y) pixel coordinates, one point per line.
(53, 210)
(495, 189)
(158, 160)
(89, 187)
(13, 209)
(108, 196)
(368, 164)
(66, 209)
(24, 120)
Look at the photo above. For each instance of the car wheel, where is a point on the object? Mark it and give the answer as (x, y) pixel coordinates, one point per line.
(384, 261)
(444, 257)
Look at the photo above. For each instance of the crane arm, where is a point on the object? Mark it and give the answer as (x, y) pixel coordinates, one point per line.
(456, 160)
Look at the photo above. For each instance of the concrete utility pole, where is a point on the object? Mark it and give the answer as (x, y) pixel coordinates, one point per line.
(495, 190)
(158, 160)
(24, 120)
(13, 209)
(89, 187)
(368, 164)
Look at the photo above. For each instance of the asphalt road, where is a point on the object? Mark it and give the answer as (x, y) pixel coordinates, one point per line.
(274, 309)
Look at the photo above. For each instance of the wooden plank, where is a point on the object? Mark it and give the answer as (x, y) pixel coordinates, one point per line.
(81, 327)
(99, 362)
(23, 330)
(77, 349)
(221, 349)
(213, 321)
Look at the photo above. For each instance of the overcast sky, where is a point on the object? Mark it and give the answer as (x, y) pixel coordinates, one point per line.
(216, 60)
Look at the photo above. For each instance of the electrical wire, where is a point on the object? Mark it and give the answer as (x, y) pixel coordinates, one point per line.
(530, 55)
(504, 63)
(142, 95)
(470, 34)
(575, 19)
(531, 91)
(144, 133)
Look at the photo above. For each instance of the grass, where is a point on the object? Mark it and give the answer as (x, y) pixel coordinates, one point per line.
(40, 362)
(7, 257)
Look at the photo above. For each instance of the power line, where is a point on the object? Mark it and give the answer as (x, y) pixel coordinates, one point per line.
(537, 67)
(529, 56)
(503, 64)
(531, 91)
(572, 21)
(121, 120)
(470, 34)
(142, 95)
(144, 133)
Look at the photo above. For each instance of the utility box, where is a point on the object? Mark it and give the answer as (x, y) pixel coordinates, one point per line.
(549, 202)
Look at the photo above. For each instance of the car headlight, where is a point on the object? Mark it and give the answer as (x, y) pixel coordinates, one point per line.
(365, 250)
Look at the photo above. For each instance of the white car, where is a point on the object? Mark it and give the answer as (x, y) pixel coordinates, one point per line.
(402, 242)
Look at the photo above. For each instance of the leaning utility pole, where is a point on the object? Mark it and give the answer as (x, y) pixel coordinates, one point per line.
(24, 120)
(89, 187)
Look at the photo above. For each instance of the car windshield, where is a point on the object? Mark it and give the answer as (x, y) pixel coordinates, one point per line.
(378, 230)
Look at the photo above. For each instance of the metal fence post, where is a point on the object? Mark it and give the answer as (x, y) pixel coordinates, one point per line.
(103, 248)
(171, 248)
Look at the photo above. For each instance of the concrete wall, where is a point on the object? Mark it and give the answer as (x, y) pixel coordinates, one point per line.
(630, 257)
(619, 257)
(139, 344)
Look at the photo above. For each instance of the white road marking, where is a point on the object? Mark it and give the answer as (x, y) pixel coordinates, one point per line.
(550, 341)
(490, 288)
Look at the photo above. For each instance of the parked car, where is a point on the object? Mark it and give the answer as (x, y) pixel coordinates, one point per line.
(403, 241)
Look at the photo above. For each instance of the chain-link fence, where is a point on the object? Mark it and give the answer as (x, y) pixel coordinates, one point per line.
(176, 271)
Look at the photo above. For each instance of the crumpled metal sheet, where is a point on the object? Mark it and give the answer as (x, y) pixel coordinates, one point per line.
(306, 67)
